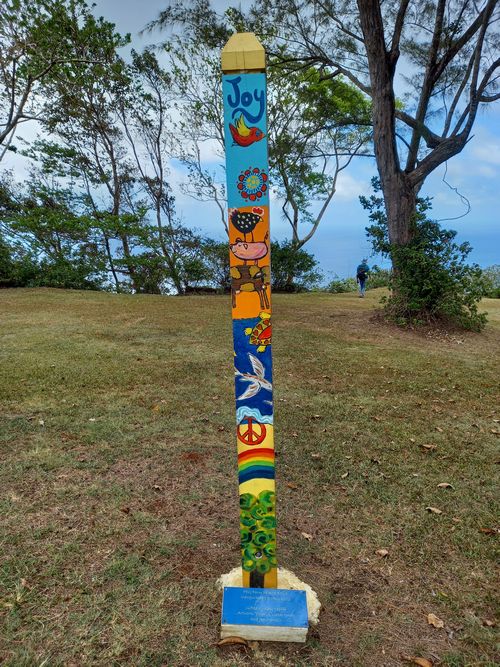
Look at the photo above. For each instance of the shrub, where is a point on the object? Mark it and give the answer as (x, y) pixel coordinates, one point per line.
(342, 285)
(491, 281)
(292, 269)
(431, 281)
(378, 278)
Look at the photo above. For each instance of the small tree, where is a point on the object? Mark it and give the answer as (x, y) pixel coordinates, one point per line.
(216, 261)
(292, 269)
(48, 241)
(436, 284)
(491, 281)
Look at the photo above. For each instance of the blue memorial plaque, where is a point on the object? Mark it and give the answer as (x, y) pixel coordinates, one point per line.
(273, 614)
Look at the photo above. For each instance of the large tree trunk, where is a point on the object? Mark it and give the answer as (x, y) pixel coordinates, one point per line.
(399, 193)
(400, 202)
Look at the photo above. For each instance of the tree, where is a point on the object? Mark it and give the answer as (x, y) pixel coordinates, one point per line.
(446, 52)
(41, 42)
(45, 240)
(82, 114)
(216, 262)
(307, 149)
(491, 281)
(146, 119)
(293, 269)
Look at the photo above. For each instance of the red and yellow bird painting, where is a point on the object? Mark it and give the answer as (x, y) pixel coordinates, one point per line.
(243, 135)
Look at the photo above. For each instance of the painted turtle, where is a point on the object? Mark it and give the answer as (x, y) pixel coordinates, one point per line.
(260, 334)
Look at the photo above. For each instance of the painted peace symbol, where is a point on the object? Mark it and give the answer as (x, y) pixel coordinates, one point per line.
(254, 434)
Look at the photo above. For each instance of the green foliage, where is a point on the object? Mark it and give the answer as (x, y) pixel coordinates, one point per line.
(315, 122)
(491, 281)
(431, 281)
(46, 46)
(216, 263)
(378, 278)
(45, 241)
(293, 270)
(341, 285)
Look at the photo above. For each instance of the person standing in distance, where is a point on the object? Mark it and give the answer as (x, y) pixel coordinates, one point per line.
(361, 275)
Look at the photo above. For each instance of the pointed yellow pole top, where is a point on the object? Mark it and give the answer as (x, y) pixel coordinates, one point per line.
(243, 51)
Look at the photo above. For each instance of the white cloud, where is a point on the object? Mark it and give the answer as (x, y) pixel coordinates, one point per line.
(349, 188)
(487, 151)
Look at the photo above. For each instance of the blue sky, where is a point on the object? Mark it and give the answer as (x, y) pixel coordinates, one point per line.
(340, 241)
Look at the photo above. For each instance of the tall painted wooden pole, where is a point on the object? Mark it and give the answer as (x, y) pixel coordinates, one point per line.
(245, 127)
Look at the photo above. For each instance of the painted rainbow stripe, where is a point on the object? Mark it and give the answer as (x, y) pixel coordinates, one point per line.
(256, 464)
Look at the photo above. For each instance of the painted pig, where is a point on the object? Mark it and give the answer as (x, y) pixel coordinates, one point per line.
(249, 250)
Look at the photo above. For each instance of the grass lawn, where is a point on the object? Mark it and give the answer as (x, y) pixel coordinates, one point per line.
(119, 488)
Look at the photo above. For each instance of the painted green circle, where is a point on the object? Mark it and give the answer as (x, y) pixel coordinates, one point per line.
(268, 522)
(247, 500)
(269, 550)
(246, 536)
(247, 520)
(261, 537)
(258, 512)
(263, 566)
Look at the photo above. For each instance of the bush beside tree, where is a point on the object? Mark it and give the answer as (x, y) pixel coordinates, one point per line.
(436, 284)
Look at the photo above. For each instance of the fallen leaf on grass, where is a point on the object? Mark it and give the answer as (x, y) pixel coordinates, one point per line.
(489, 531)
(488, 623)
(316, 456)
(291, 485)
(346, 474)
(125, 510)
(445, 485)
(382, 552)
(438, 428)
(494, 431)
(423, 662)
(377, 419)
(434, 620)
(307, 536)
(434, 510)
(41, 422)
(429, 448)
(229, 641)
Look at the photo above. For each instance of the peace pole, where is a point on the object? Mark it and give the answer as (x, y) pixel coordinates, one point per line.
(257, 609)
(244, 93)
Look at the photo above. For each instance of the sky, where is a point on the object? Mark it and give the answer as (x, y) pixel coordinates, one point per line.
(340, 241)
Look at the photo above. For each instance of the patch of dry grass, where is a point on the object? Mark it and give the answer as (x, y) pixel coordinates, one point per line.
(119, 485)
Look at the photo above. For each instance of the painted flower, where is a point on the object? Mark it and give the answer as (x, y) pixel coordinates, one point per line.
(252, 184)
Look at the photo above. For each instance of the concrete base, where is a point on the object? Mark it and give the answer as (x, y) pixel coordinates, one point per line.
(287, 580)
